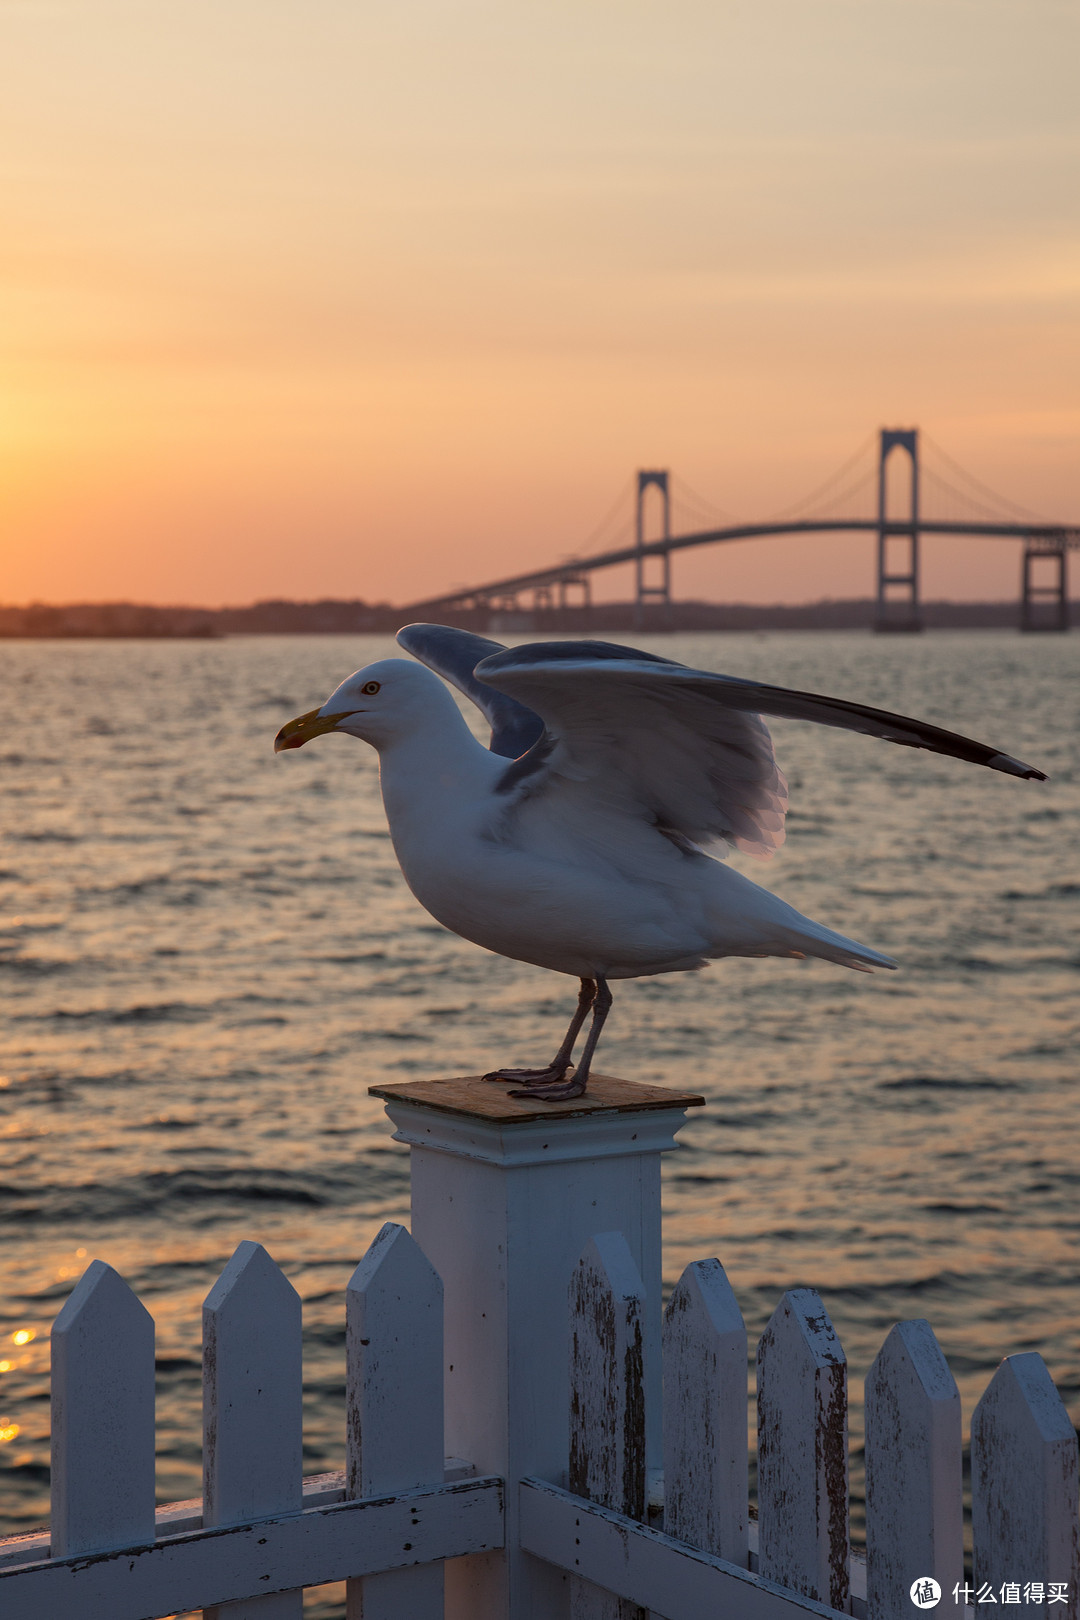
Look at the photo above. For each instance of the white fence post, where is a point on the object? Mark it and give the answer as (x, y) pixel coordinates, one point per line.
(802, 1451)
(503, 1191)
(1024, 1489)
(607, 1398)
(394, 1434)
(252, 1411)
(914, 1473)
(505, 1195)
(102, 1417)
(705, 1438)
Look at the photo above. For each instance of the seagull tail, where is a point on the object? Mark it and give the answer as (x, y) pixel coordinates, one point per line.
(816, 940)
(833, 947)
(809, 938)
(755, 922)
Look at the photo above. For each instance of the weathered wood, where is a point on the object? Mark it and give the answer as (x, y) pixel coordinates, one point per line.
(102, 1417)
(646, 1567)
(272, 1555)
(477, 1098)
(914, 1479)
(607, 1397)
(394, 1402)
(802, 1451)
(1024, 1489)
(705, 1438)
(180, 1518)
(252, 1407)
(506, 1204)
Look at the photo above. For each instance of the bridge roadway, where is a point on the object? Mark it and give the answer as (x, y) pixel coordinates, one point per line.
(1051, 536)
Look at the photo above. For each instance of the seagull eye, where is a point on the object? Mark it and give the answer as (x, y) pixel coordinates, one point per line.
(369, 688)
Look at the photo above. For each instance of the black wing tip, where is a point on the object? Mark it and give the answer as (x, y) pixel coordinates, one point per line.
(1016, 767)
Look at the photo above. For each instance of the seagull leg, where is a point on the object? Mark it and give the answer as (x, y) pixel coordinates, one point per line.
(553, 1091)
(556, 1069)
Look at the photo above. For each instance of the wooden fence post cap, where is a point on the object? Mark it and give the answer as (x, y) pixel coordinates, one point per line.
(489, 1100)
(474, 1118)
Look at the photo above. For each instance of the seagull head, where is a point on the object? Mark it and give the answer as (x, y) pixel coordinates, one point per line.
(376, 704)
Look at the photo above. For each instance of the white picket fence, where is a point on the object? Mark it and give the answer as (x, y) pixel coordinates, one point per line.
(416, 1536)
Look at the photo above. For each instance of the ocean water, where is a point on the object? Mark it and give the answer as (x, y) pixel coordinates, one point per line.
(208, 954)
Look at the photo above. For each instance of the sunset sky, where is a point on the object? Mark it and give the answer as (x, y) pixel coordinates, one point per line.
(336, 298)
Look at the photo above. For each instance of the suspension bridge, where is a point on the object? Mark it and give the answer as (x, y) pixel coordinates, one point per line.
(935, 497)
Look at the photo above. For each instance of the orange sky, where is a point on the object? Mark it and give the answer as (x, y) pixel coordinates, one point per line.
(354, 300)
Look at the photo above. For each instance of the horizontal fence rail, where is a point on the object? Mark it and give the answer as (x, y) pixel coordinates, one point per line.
(625, 1545)
(646, 1570)
(210, 1567)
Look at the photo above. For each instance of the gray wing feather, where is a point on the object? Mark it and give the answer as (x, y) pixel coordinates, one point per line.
(755, 697)
(686, 749)
(619, 732)
(454, 654)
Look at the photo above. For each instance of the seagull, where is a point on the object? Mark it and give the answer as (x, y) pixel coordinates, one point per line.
(586, 837)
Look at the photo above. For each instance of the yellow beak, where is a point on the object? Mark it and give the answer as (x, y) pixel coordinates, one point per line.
(295, 733)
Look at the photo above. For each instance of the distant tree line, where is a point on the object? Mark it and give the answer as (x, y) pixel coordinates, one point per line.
(331, 616)
(132, 619)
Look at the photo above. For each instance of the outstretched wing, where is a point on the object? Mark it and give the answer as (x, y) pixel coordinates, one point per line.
(454, 654)
(690, 748)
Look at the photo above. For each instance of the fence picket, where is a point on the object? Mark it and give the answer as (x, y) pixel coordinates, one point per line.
(914, 1472)
(1024, 1488)
(523, 1544)
(802, 1451)
(705, 1439)
(252, 1411)
(394, 1434)
(102, 1417)
(607, 1398)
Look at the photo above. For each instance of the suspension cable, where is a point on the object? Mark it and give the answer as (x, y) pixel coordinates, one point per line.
(828, 486)
(593, 538)
(977, 483)
(685, 495)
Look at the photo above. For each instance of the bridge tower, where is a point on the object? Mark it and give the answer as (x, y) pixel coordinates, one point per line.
(1053, 594)
(898, 611)
(567, 583)
(644, 592)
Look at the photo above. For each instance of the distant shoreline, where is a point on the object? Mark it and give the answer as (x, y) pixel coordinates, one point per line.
(125, 621)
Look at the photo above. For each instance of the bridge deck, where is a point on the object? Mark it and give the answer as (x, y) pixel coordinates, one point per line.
(1053, 536)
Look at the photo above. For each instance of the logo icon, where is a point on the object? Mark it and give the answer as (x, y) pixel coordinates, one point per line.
(925, 1592)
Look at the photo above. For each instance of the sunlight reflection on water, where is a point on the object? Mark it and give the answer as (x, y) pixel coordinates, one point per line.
(210, 955)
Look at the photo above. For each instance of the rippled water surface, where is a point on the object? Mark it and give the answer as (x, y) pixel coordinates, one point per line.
(208, 955)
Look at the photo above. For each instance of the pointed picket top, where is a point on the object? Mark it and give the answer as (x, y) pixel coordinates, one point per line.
(252, 1391)
(102, 1417)
(607, 1394)
(914, 1478)
(705, 1439)
(394, 1354)
(394, 1405)
(251, 1281)
(1025, 1493)
(802, 1451)
(607, 1399)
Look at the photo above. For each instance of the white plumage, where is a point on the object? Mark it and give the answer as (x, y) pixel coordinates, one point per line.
(583, 839)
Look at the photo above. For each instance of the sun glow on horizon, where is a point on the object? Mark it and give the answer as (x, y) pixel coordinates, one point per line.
(370, 304)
